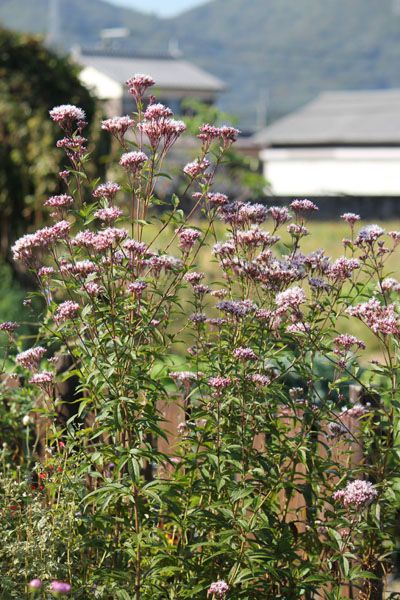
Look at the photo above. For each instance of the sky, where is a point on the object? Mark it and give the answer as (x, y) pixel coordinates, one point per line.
(163, 8)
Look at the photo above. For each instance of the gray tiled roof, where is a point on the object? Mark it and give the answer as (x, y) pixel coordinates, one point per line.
(359, 117)
(169, 73)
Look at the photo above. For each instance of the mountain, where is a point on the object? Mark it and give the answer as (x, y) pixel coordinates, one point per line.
(272, 53)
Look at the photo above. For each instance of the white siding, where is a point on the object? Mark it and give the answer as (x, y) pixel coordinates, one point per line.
(333, 171)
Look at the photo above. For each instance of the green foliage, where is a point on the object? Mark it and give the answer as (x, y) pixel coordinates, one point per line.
(32, 80)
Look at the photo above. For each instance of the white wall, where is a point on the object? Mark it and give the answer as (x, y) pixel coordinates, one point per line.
(332, 171)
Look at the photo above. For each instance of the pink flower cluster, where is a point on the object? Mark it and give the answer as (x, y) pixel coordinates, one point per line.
(109, 214)
(217, 199)
(193, 277)
(346, 341)
(357, 494)
(390, 285)
(369, 234)
(187, 238)
(163, 130)
(138, 84)
(31, 358)
(380, 319)
(196, 168)
(9, 326)
(350, 218)
(244, 354)
(43, 378)
(300, 206)
(59, 201)
(219, 383)
(133, 161)
(24, 248)
(137, 288)
(343, 267)
(260, 380)
(290, 299)
(157, 112)
(208, 133)
(117, 126)
(356, 411)
(279, 214)
(65, 311)
(237, 308)
(218, 588)
(136, 248)
(101, 241)
(66, 114)
(106, 190)
(60, 587)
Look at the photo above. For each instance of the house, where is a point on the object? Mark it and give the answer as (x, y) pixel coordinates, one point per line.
(342, 143)
(105, 74)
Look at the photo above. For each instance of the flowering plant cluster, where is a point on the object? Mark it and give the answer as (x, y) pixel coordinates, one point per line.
(202, 454)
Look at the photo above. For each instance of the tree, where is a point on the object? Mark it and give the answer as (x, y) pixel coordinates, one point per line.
(32, 80)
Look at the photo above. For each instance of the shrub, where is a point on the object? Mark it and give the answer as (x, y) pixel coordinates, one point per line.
(253, 491)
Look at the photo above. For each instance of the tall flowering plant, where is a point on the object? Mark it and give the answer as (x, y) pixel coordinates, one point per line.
(254, 491)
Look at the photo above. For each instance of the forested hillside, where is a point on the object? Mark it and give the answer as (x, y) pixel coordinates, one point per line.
(274, 53)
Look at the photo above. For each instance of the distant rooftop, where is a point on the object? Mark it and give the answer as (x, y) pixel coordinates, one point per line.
(369, 117)
(168, 72)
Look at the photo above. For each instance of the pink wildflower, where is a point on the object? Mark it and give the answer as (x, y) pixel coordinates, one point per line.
(350, 218)
(9, 326)
(369, 234)
(117, 126)
(379, 318)
(219, 383)
(390, 285)
(135, 247)
(217, 199)
(92, 288)
(133, 161)
(106, 190)
(45, 272)
(187, 238)
(157, 111)
(65, 311)
(35, 584)
(279, 214)
(185, 377)
(290, 299)
(244, 354)
(300, 206)
(42, 379)
(31, 358)
(343, 267)
(66, 114)
(59, 201)
(197, 167)
(138, 84)
(218, 588)
(109, 214)
(237, 308)
(193, 277)
(260, 380)
(356, 411)
(137, 288)
(297, 230)
(346, 341)
(357, 494)
(60, 587)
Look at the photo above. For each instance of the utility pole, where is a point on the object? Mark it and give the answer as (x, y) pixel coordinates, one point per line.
(54, 23)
